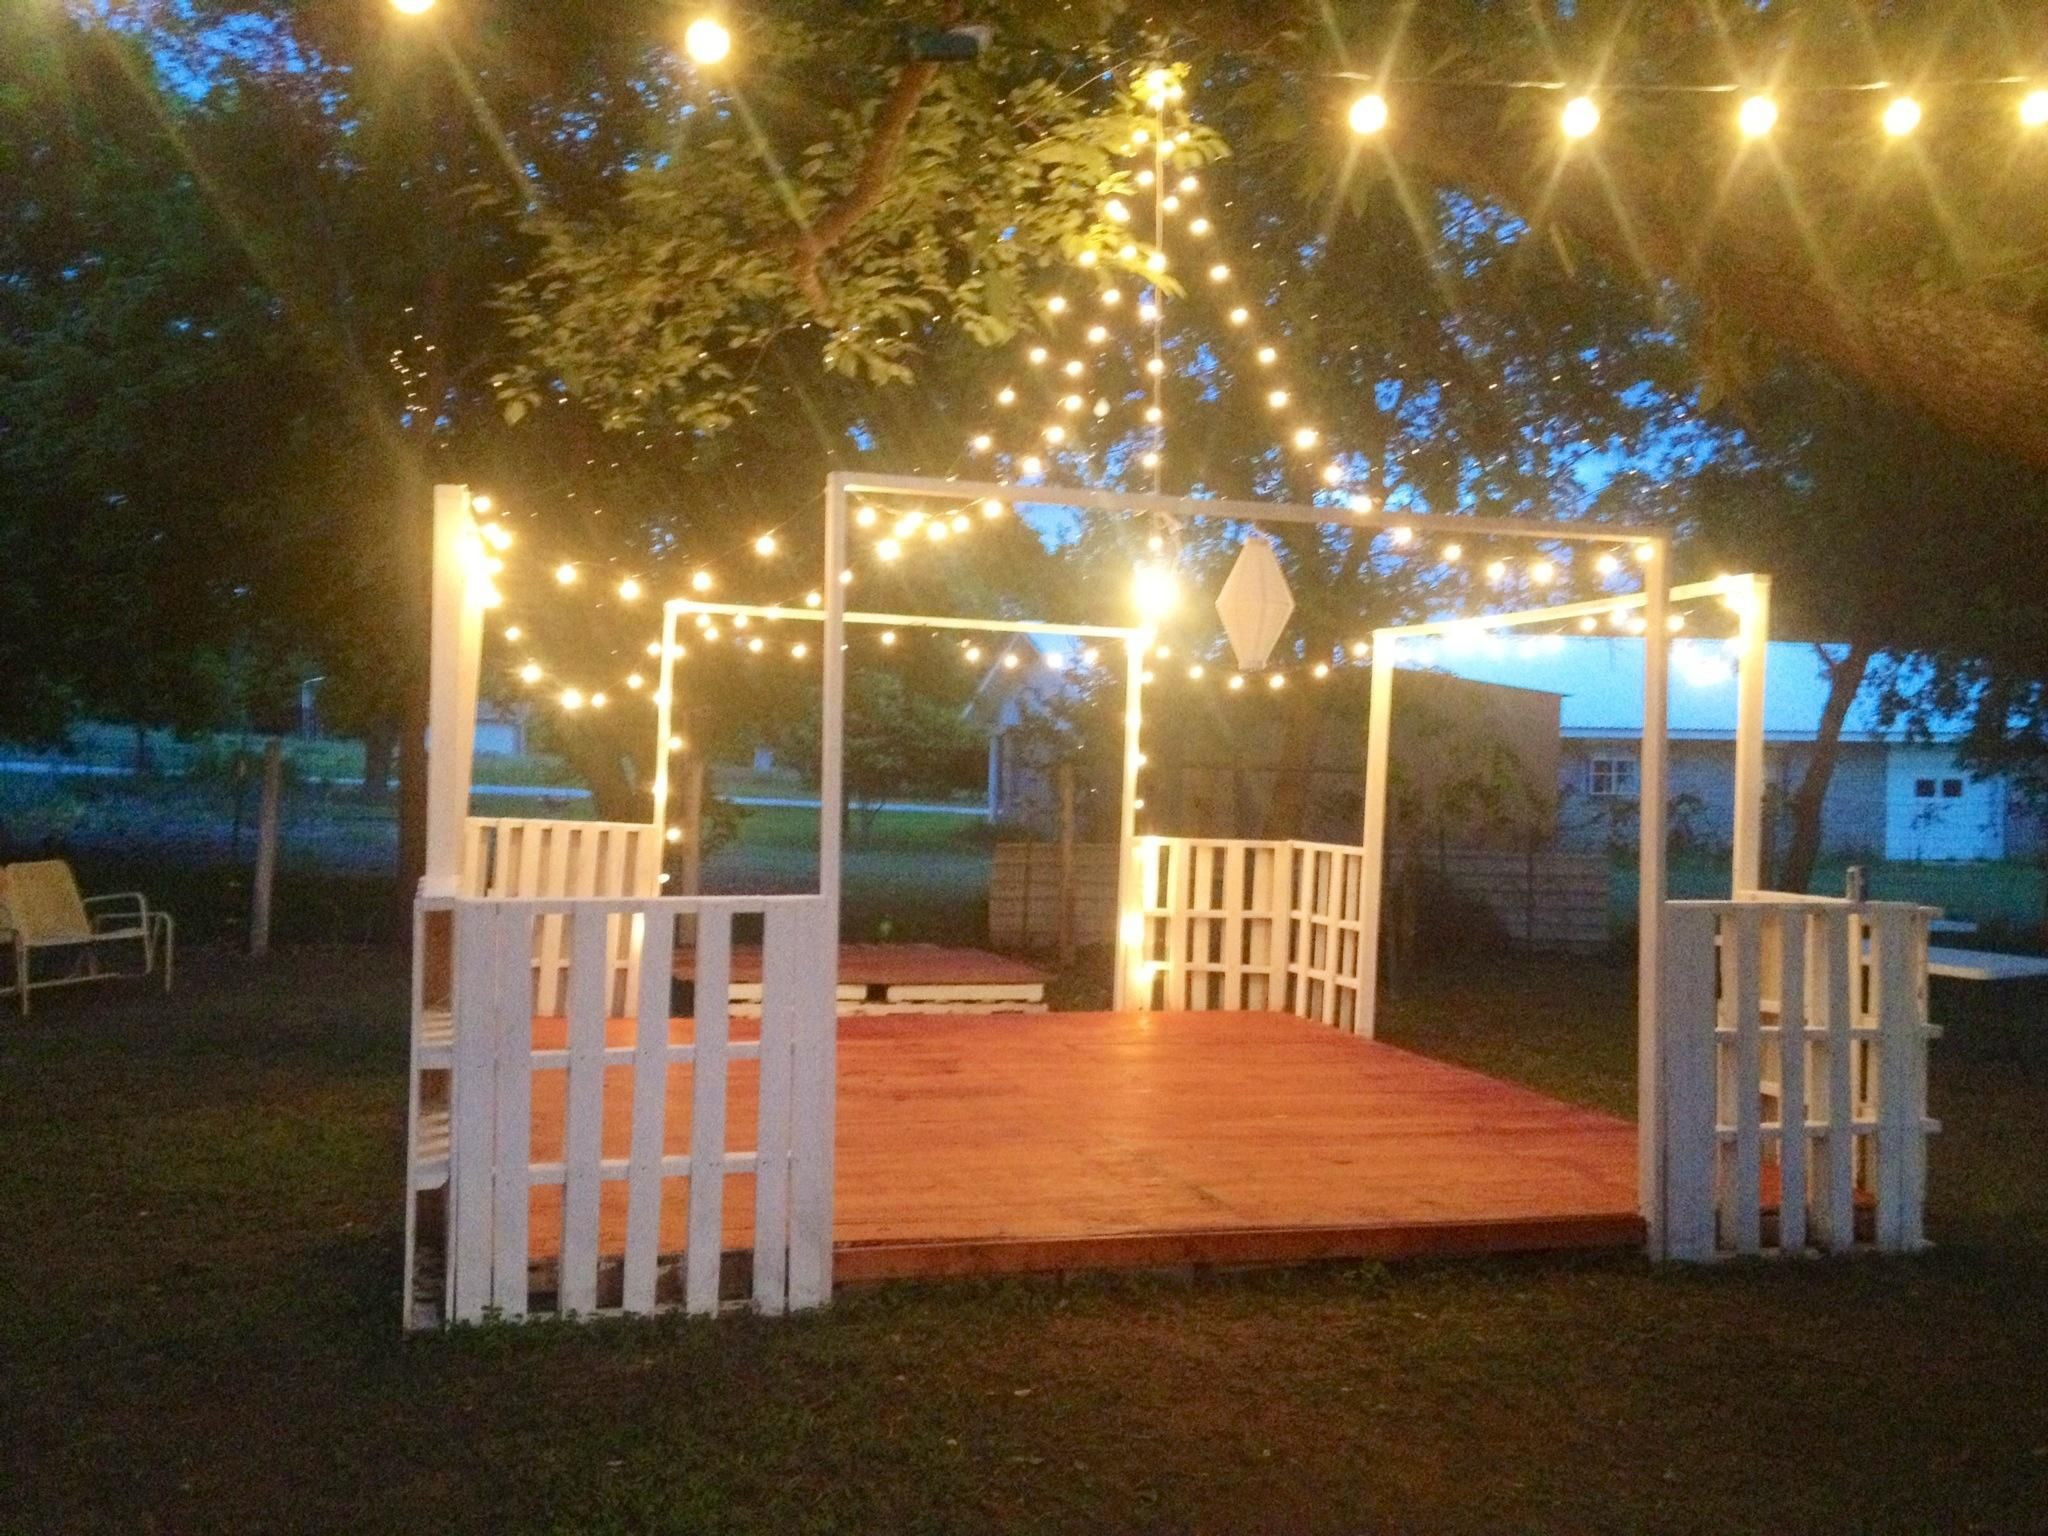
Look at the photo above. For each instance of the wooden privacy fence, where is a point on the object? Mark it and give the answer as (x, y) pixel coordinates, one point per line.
(491, 1069)
(1229, 924)
(1793, 1051)
(508, 856)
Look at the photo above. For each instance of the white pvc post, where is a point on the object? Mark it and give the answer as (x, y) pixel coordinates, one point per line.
(1379, 724)
(831, 772)
(1755, 613)
(664, 727)
(1130, 918)
(1651, 820)
(454, 655)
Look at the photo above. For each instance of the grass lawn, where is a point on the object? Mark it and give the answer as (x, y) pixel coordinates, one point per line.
(201, 1199)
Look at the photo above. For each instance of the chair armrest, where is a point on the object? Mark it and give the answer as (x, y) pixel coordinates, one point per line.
(128, 906)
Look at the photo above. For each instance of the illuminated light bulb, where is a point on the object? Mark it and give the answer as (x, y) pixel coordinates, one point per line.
(888, 549)
(765, 545)
(1236, 681)
(1159, 84)
(1756, 117)
(1162, 653)
(1031, 464)
(1141, 137)
(1055, 662)
(1240, 315)
(701, 582)
(530, 673)
(1902, 116)
(846, 576)
(1145, 677)
(412, 7)
(907, 524)
(1368, 114)
(1074, 368)
(711, 635)
(2034, 109)
(513, 632)
(1155, 544)
(888, 637)
(1054, 434)
(1090, 656)
(1497, 572)
(1127, 252)
(675, 743)
(973, 653)
(1402, 537)
(1453, 553)
(1086, 258)
(1154, 415)
(982, 442)
(1618, 618)
(635, 681)
(1057, 304)
(674, 834)
(1320, 670)
(1306, 437)
(1154, 590)
(1675, 622)
(1195, 673)
(1144, 178)
(1117, 211)
(1148, 311)
(1156, 262)
(1149, 460)
(1543, 573)
(1111, 296)
(1101, 409)
(706, 42)
(1606, 565)
(480, 502)
(740, 621)
(572, 698)
(756, 645)
(493, 566)
(1037, 355)
(936, 532)
(1098, 334)
(814, 599)
(960, 523)
(1156, 366)
(565, 573)
(991, 508)
(1190, 184)
(1006, 396)
(1333, 474)
(1072, 403)
(1010, 660)
(1644, 552)
(1218, 272)
(1360, 650)
(598, 701)
(1268, 357)
(864, 517)
(1277, 398)
(1198, 227)
(1579, 118)
(497, 537)
(1588, 624)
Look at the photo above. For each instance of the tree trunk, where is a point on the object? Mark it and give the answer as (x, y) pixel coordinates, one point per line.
(380, 743)
(614, 792)
(1845, 679)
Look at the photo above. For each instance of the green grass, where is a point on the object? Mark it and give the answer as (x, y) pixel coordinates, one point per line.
(201, 1202)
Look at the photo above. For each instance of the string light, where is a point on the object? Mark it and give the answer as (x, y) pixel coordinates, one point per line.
(888, 549)
(1453, 553)
(572, 698)
(765, 545)
(2034, 109)
(700, 581)
(530, 673)
(1756, 117)
(1579, 118)
(1368, 114)
(705, 41)
(629, 590)
(1901, 116)
(565, 573)
(513, 632)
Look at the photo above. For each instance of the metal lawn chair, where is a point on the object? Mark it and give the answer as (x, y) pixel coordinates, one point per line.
(41, 910)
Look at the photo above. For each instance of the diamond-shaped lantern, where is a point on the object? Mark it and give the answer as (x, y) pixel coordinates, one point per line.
(1254, 604)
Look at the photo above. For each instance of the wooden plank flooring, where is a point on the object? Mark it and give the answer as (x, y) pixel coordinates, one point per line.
(1075, 1141)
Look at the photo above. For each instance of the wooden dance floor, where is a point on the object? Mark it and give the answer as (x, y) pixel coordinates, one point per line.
(1070, 1141)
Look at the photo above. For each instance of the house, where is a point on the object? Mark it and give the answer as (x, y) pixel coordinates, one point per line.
(1890, 797)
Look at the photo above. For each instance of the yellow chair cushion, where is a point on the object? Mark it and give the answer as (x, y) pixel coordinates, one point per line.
(40, 901)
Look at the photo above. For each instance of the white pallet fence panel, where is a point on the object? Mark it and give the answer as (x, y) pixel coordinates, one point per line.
(650, 1117)
(472, 1114)
(1796, 932)
(511, 1025)
(583, 1128)
(1688, 1053)
(800, 951)
(1742, 1076)
(772, 1141)
(704, 1245)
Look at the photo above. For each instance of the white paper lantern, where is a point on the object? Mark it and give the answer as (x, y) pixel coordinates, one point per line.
(1254, 604)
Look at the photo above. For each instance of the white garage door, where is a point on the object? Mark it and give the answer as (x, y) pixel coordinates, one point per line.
(1933, 810)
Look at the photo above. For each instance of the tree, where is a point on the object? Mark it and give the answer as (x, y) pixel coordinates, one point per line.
(897, 744)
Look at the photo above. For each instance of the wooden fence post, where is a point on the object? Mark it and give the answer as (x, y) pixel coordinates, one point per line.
(266, 848)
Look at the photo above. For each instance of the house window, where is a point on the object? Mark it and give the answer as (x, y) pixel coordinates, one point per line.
(1611, 776)
(1923, 789)
(1951, 789)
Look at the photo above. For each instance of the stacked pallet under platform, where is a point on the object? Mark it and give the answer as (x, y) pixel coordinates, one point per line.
(896, 979)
